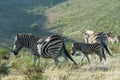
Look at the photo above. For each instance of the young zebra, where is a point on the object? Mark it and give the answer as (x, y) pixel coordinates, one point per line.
(100, 37)
(46, 47)
(86, 49)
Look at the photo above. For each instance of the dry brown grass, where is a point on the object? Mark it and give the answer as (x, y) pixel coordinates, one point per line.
(108, 70)
(13, 77)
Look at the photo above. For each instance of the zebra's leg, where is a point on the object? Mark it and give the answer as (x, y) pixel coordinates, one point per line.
(83, 56)
(107, 48)
(100, 59)
(64, 56)
(87, 58)
(55, 58)
(36, 60)
(73, 51)
(101, 55)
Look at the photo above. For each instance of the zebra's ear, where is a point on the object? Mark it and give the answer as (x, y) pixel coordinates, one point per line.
(17, 35)
(30, 34)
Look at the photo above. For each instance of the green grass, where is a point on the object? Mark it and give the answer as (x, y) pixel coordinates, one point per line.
(73, 17)
(21, 66)
(107, 70)
(68, 18)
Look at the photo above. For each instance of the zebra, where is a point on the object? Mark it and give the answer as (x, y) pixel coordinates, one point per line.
(89, 37)
(112, 39)
(118, 38)
(46, 47)
(100, 37)
(87, 48)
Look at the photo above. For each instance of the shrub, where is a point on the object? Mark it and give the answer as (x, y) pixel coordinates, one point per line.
(4, 54)
(34, 27)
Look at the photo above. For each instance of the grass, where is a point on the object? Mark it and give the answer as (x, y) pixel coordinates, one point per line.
(108, 70)
(93, 71)
(21, 67)
(73, 17)
(69, 18)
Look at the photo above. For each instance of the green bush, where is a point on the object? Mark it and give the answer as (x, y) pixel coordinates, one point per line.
(23, 64)
(4, 53)
(34, 27)
(4, 69)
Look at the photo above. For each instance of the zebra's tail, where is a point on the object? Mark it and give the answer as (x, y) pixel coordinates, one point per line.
(67, 54)
(106, 48)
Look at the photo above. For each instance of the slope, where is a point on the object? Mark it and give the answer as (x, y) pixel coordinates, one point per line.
(71, 18)
(23, 16)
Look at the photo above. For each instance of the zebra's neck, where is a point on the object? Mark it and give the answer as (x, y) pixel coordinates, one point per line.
(28, 42)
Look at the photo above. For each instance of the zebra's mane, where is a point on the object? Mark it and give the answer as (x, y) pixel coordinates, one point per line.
(25, 35)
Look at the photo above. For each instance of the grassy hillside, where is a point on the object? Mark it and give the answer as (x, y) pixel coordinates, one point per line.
(67, 17)
(73, 17)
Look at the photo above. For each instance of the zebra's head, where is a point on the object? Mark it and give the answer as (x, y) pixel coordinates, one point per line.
(17, 45)
(109, 33)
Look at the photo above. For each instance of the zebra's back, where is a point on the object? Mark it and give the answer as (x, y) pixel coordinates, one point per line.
(87, 48)
(51, 45)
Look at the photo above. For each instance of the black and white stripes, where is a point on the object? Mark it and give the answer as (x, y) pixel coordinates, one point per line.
(101, 37)
(86, 49)
(52, 44)
(46, 47)
(25, 40)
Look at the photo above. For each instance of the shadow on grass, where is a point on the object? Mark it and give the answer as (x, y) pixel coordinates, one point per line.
(4, 70)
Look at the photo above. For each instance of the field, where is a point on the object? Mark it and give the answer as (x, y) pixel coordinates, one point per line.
(69, 18)
(108, 70)
(22, 68)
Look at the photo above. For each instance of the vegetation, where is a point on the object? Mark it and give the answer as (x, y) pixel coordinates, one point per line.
(68, 18)
(21, 67)
(20, 16)
(73, 17)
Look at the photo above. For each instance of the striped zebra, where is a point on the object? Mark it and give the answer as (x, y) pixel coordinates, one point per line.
(100, 37)
(111, 38)
(118, 38)
(46, 47)
(89, 36)
(86, 49)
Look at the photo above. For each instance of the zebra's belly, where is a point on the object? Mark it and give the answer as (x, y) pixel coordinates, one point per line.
(45, 54)
(87, 51)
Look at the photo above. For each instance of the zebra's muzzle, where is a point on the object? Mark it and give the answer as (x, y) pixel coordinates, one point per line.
(72, 54)
(15, 53)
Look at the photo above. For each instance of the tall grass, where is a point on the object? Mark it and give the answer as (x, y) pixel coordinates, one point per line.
(21, 66)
